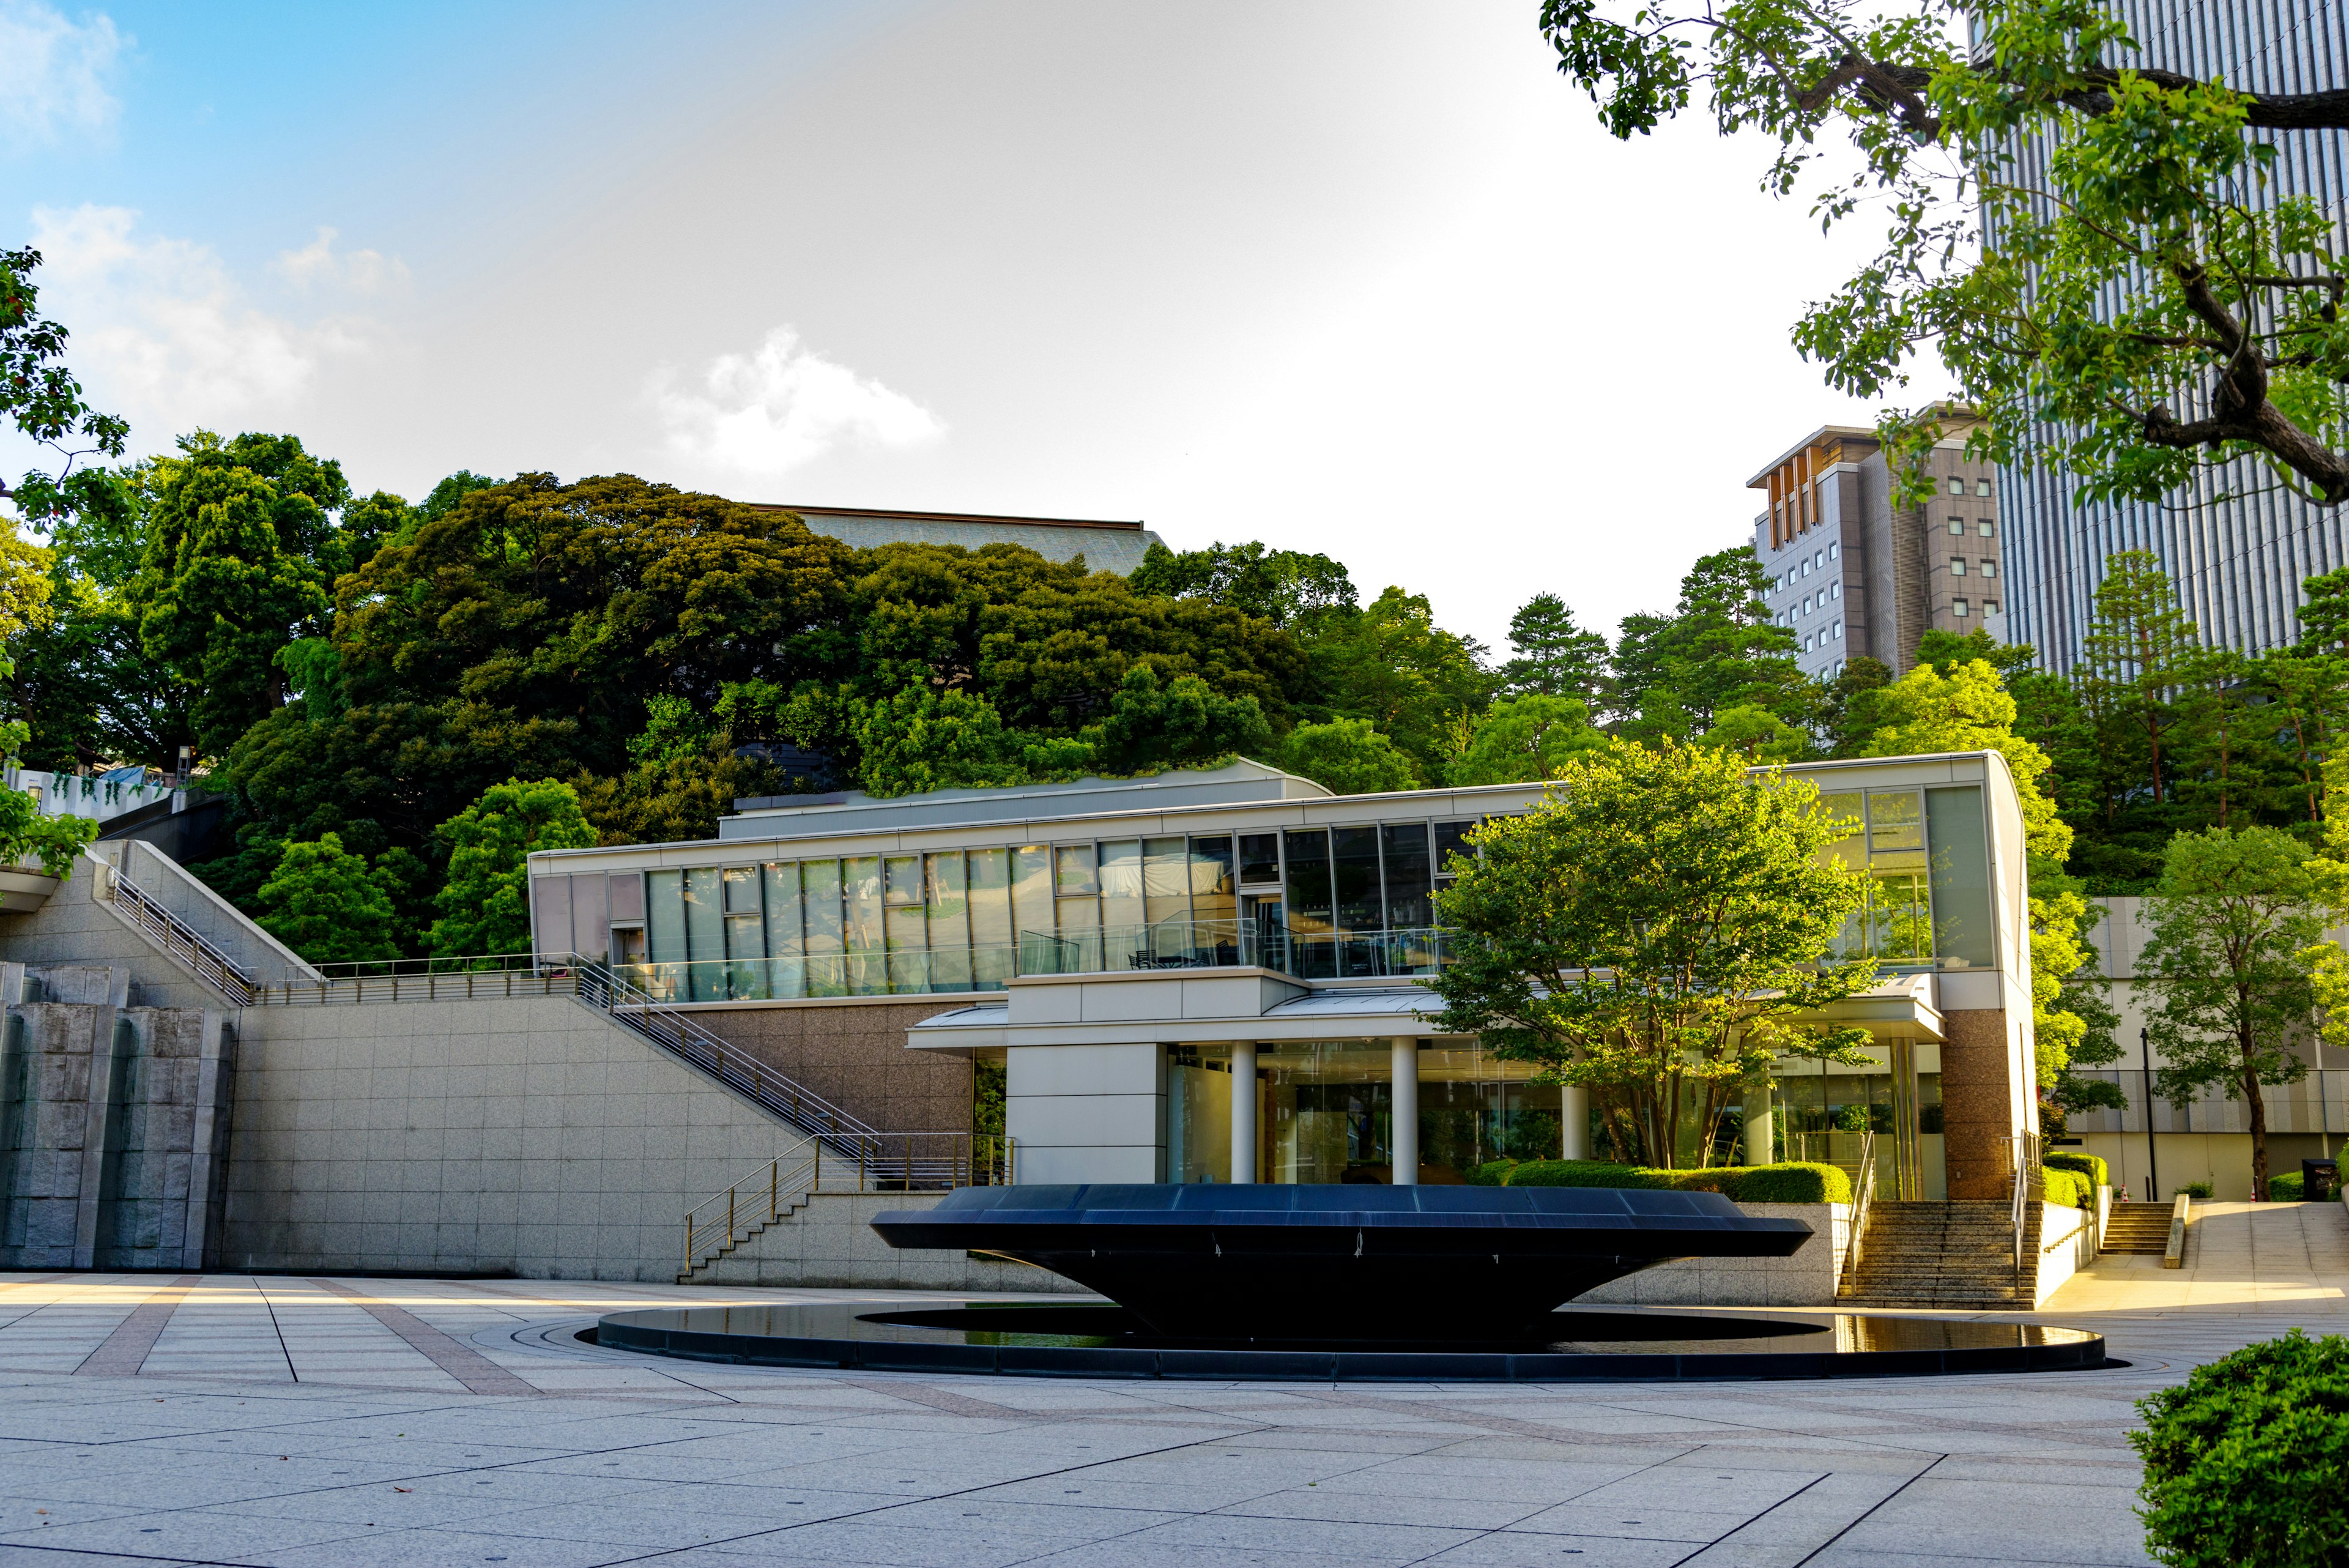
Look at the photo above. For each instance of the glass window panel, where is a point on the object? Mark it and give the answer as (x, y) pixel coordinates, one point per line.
(1076, 868)
(909, 949)
(1895, 832)
(741, 889)
(1962, 937)
(859, 897)
(1354, 865)
(1079, 947)
(786, 958)
(1404, 848)
(704, 943)
(902, 876)
(949, 912)
(590, 924)
(991, 934)
(1308, 897)
(746, 960)
(1450, 839)
(1259, 859)
(1166, 898)
(1843, 811)
(1032, 889)
(1121, 907)
(550, 900)
(665, 917)
(1900, 917)
(1214, 901)
(827, 933)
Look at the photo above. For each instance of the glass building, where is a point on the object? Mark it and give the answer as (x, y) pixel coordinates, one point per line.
(1137, 952)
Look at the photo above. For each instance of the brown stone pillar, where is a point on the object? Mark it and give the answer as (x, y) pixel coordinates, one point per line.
(1980, 1113)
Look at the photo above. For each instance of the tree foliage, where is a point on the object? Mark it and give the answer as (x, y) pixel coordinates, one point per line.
(485, 903)
(326, 904)
(2089, 242)
(1659, 928)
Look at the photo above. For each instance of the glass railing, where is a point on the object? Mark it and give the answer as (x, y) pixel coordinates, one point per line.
(1107, 949)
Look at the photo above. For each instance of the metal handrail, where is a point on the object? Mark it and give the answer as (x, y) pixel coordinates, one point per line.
(450, 985)
(1863, 1193)
(2024, 1149)
(181, 941)
(780, 1187)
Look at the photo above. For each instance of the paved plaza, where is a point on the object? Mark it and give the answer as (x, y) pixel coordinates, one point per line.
(284, 1420)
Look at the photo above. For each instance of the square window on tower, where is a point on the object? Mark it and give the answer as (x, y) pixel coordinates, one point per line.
(1981, 487)
(1957, 485)
(1987, 529)
(1957, 526)
(1957, 565)
(1990, 568)
(1958, 608)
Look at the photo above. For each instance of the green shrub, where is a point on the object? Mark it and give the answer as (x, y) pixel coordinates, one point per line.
(2068, 1188)
(1491, 1173)
(2286, 1189)
(1793, 1182)
(2088, 1165)
(2248, 1461)
(1789, 1183)
(1584, 1173)
(2197, 1191)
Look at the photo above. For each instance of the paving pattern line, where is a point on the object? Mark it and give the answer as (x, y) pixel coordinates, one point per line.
(122, 1353)
(469, 1366)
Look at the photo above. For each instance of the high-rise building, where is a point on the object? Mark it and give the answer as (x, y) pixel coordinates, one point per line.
(1852, 573)
(2238, 563)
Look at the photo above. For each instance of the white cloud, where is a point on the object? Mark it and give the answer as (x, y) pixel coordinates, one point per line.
(781, 406)
(162, 333)
(54, 74)
(365, 274)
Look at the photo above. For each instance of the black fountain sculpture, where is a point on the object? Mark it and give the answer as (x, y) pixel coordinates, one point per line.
(1340, 1283)
(1394, 1264)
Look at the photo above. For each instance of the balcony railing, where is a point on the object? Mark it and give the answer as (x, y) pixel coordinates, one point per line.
(1107, 950)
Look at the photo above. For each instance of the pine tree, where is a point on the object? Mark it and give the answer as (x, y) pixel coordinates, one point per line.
(1555, 658)
(2138, 650)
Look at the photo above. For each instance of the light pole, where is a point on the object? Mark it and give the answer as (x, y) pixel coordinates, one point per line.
(2152, 1170)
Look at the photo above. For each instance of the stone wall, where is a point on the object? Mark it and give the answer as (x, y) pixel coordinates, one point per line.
(1979, 1103)
(2068, 1243)
(527, 1134)
(1806, 1279)
(854, 1054)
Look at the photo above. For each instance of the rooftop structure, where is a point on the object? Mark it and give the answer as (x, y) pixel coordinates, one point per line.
(1106, 547)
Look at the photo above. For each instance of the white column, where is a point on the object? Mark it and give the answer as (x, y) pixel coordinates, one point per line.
(1244, 1110)
(1406, 1112)
(1574, 1122)
(1761, 1126)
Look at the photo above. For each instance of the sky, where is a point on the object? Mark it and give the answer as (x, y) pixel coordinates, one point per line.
(1362, 278)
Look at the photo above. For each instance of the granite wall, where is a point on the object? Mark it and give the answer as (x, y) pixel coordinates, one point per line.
(854, 1054)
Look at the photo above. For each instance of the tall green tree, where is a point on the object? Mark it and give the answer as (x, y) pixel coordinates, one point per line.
(2229, 969)
(1717, 650)
(485, 903)
(2138, 651)
(1550, 655)
(1655, 929)
(1347, 756)
(1523, 740)
(1391, 666)
(2091, 245)
(1287, 587)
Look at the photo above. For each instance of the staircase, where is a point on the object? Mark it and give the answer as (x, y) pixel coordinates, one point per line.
(2137, 1228)
(1959, 1254)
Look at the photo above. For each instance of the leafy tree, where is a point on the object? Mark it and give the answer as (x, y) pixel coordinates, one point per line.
(1553, 657)
(485, 903)
(2228, 968)
(325, 904)
(1946, 650)
(1347, 755)
(44, 401)
(2088, 242)
(1968, 710)
(2072, 1023)
(1523, 740)
(674, 798)
(1718, 650)
(1390, 664)
(1180, 723)
(924, 740)
(2138, 650)
(1653, 929)
(1845, 713)
(1287, 587)
(1758, 735)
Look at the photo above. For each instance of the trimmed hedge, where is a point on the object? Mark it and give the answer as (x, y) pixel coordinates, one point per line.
(2068, 1188)
(2286, 1189)
(1788, 1183)
(1491, 1173)
(2091, 1166)
(2248, 1461)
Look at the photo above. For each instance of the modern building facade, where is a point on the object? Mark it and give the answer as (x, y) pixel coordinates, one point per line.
(2239, 559)
(1851, 574)
(1220, 976)
(1106, 547)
